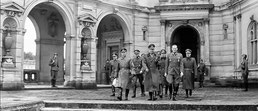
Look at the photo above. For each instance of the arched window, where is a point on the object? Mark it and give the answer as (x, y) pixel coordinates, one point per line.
(253, 43)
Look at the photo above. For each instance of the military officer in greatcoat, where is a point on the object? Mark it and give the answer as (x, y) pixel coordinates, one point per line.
(189, 70)
(137, 67)
(123, 74)
(151, 79)
(172, 71)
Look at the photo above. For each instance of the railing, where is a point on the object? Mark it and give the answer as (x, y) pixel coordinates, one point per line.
(31, 76)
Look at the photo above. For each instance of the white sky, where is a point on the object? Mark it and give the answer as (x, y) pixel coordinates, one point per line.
(29, 37)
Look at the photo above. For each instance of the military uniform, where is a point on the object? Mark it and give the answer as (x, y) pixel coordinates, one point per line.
(113, 72)
(162, 81)
(151, 79)
(124, 76)
(244, 71)
(189, 68)
(107, 71)
(172, 69)
(201, 70)
(53, 63)
(137, 66)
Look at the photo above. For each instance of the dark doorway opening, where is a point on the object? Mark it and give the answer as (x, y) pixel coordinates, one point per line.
(187, 37)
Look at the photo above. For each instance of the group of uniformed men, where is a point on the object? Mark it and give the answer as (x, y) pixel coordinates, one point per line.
(154, 71)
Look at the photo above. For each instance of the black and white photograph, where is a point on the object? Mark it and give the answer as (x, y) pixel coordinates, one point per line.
(129, 55)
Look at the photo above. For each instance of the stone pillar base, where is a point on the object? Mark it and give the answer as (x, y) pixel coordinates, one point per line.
(11, 79)
(87, 80)
(69, 83)
(85, 85)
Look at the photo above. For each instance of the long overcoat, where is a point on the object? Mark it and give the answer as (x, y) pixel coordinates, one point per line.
(151, 79)
(189, 68)
(124, 73)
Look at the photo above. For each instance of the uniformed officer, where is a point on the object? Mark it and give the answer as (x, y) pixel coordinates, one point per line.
(189, 70)
(244, 71)
(161, 67)
(114, 70)
(123, 74)
(201, 72)
(172, 70)
(137, 66)
(53, 63)
(151, 79)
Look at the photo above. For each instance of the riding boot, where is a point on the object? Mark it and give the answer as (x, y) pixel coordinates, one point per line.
(166, 90)
(190, 92)
(134, 92)
(150, 94)
(154, 96)
(170, 91)
(174, 96)
(186, 92)
(126, 94)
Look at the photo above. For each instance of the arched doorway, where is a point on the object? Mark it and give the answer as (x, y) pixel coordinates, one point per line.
(187, 37)
(110, 39)
(50, 31)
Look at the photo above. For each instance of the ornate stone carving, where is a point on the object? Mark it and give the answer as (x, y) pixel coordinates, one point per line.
(162, 22)
(10, 25)
(144, 28)
(252, 18)
(12, 9)
(52, 24)
(87, 20)
(85, 47)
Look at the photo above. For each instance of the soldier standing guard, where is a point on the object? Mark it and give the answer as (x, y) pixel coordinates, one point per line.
(151, 79)
(114, 71)
(244, 71)
(123, 74)
(201, 72)
(172, 71)
(137, 67)
(189, 69)
(107, 70)
(53, 63)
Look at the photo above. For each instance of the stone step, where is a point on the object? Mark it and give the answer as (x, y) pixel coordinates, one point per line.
(63, 109)
(145, 105)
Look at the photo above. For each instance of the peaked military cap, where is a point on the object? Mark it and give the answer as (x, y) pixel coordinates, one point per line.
(136, 50)
(123, 50)
(188, 50)
(151, 45)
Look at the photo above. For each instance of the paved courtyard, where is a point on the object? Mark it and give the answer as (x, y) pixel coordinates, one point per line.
(201, 96)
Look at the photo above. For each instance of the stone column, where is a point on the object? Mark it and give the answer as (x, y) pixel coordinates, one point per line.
(207, 46)
(69, 75)
(162, 34)
(239, 33)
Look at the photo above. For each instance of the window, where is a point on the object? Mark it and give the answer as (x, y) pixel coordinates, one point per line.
(253, 43)
(144, 35)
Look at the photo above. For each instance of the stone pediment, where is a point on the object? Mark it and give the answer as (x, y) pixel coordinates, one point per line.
(12, 9)
(87, 20)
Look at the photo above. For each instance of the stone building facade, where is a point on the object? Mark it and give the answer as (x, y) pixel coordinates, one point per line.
(218, 31)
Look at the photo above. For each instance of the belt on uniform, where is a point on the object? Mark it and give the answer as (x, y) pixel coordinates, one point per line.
(187, 69)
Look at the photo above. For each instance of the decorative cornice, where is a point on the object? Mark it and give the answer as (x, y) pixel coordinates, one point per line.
(184, 7)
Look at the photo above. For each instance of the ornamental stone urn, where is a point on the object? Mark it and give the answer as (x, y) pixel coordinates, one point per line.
(8, 41)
